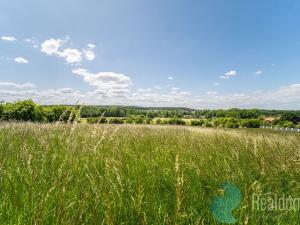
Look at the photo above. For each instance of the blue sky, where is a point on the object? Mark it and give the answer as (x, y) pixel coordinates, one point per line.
(199, 54)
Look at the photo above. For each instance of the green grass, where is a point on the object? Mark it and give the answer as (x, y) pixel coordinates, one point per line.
(105, 174)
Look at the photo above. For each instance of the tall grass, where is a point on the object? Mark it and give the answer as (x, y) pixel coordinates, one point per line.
(106, 174)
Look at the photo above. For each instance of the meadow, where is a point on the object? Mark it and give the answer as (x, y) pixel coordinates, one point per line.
(141, 174)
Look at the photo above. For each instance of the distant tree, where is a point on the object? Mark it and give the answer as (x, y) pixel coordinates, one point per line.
(231, 122)
(1, 110)
(96, 120)
(197, 122)
(290, 116)
(59, 113)
(176, 121)
(288, 124)
(150, 114)
(24, 111)
(148, 120)
(250, 123)
(208, 123)
(218, 122)
(158, 121)
(116, 121)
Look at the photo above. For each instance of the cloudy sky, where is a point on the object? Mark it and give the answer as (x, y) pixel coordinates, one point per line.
(193, 53)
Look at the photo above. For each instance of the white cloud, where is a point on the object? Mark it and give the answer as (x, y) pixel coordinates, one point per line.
(177, 92)
(21, 60)
(224, 77)
(258, 72)
(170, 78)
(144, 90)
(71, 55)
(110, 90)
(15, 85)
(51, 46)
(89, 54)
(8, 38)
(91, 46)
(110, 83)
(211, 93)
(229, 74)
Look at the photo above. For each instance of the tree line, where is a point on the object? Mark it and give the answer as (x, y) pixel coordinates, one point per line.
(232, 118)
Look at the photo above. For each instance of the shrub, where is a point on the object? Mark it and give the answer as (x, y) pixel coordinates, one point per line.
(288, 124)
(158, 121)
(219, 122)
(197, 122)
(24, 111)
(96, 120)
(176, 121)
(250, 123)
(115, 120)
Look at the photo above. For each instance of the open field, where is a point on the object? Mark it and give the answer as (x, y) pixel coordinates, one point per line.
(129, 174)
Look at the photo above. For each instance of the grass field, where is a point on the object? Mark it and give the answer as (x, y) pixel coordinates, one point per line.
(106, 174)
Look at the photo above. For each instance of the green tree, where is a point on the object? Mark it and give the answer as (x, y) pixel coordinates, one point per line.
(24, 111)
(197, 122)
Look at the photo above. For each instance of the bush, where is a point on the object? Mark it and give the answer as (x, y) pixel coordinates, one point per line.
(219, 122)
(208, 123)
(288, 124)
(158, 121)
(231, 122)
(1, 110)
(250, 123)
(197, 122)
(24, 111)
(59, 113)
(115, 120)
(93, 120)
(176, 121)
(139, 119)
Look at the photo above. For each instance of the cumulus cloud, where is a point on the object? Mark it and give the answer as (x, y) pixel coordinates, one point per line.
(15, 85)
(50, 96)
(71, 55)
(8, 38)
(170, 78)
(286, 97)
(89, 54)
(229, 74)
(113, 84)
(21, 60)
(53, 47)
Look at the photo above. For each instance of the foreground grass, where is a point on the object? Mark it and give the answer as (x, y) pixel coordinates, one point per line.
(89, 174)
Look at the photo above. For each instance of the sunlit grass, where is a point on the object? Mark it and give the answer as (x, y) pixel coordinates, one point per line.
(105, 174)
